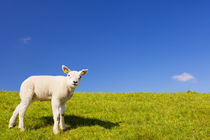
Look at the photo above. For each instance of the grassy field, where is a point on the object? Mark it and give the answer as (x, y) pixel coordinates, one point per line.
(114, 116)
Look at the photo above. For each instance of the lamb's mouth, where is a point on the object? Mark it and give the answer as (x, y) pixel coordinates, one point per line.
(75, 85)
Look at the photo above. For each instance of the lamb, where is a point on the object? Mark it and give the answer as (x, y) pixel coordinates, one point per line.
(58, 89)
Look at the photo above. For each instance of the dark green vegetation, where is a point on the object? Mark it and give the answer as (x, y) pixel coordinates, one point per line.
(114, 116)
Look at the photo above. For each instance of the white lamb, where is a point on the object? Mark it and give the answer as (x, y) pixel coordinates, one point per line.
(58, 89)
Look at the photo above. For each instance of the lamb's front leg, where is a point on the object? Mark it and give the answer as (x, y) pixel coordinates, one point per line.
(62, 122)
(55, 107)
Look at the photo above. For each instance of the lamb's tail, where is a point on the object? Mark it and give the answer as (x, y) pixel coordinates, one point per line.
(14, 117)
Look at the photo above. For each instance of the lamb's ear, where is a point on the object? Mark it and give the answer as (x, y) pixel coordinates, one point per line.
(66, 70)
(83, 72)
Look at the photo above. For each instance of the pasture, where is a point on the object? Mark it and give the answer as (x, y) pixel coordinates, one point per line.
(114, 116)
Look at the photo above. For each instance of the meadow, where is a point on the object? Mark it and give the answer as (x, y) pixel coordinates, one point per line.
(151, 116)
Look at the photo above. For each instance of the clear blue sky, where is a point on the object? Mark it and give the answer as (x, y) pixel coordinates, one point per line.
(127, 45)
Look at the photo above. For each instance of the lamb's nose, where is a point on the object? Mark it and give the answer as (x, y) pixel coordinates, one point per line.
(75, 82)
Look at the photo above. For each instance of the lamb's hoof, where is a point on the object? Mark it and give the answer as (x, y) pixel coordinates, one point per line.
(56, 131)
(22, 129)
(10, 126)
(63, 129)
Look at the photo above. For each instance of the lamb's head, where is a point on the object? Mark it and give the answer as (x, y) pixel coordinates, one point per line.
(73, 77)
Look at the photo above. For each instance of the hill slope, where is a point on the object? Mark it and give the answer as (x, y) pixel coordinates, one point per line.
(114, 116)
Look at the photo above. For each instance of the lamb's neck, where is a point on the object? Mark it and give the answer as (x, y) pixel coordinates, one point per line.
(70, 89)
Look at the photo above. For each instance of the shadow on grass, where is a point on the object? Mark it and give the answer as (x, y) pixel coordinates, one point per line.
(77, 121)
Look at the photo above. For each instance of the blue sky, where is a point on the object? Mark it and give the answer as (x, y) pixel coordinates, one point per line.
(127, 45)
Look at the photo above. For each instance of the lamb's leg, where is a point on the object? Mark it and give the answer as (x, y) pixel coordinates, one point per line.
(55, 107)
(62, 122)
(14, 117)
(22, 109)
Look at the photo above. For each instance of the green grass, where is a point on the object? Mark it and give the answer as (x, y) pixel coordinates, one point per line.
(114, 116)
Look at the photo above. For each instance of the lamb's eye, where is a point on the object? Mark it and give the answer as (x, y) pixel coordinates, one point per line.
(80, 77)
(68, 75)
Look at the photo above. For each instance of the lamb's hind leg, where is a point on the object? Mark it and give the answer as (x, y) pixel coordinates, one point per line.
(14, 117)
(22, 109)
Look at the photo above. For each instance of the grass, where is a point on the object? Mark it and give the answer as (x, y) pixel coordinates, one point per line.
(114, 116)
